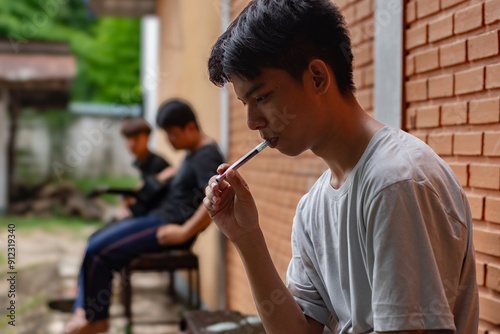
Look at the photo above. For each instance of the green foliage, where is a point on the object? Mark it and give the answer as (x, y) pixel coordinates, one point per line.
(123, 182)
(107, 49)
(111, 62)
(52, 224)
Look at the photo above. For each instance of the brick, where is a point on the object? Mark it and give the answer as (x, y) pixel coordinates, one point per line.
(493, 276)
(363, 54)
(416, 90)
(363, 9)
(469, 81)
(493, 76)
(441, 86)
(342, 3)
(427, 60)
(356, 35)
(491, 11)
(489, 309)
(365, 99)
(369, 76)
(349, 14)
(410, 65)
(358, 77)
(453, 54)
(427, 7)
(476, 204)
(469, 143)
(369, 29)
(441, 143)
(411, 12)
(428, 117)
(492, 209)
(487, 241)
(483, 46)
(492, 144)
(469, 18)
(484, 176)
(454, 113)
(480, 272)
(421, 136)
(484, 111)
(441, 29)
(411, 114)
(461, 171)
(449, 3)
(416, 36)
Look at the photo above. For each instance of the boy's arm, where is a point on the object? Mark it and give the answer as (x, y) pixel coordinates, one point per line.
(173, 234)
(232, 208)
(277, 308)
(166, 174)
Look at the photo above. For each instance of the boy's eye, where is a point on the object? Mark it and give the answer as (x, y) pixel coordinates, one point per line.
(261, 98)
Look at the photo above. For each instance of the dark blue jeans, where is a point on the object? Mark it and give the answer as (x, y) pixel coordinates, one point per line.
(110, 249)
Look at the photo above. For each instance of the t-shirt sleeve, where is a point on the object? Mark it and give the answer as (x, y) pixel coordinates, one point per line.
(159, 164)
(302, 288)
(412, 259)
(206, 166)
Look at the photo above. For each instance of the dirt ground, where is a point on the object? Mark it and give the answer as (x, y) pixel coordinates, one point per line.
(46, 266)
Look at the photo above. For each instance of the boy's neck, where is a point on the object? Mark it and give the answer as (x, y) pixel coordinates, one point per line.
(199, 141)
(351, 130)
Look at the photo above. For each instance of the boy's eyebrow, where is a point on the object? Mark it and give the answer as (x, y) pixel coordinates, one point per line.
(253, 89)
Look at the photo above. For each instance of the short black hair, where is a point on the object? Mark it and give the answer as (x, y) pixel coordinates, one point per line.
(175, 112)
(133, 126)
(287, 35)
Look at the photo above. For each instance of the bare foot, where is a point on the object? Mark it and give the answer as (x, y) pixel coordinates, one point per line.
(79, 324)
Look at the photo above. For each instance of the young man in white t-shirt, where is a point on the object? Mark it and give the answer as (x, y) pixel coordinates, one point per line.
(383, 240)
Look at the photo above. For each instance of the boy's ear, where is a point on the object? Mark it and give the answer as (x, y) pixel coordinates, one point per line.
(191, 126)
(321, 77)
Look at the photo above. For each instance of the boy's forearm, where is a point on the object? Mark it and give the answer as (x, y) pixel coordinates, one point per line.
(197, 223)
(166, 174)
(277, 308)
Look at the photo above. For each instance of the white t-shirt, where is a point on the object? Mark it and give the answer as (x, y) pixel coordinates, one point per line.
(391, 249)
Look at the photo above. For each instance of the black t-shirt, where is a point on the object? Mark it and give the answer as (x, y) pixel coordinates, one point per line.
(148, 168)
(186, 189)
(152, 165)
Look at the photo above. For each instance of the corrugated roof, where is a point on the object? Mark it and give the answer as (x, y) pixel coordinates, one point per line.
(21, 68)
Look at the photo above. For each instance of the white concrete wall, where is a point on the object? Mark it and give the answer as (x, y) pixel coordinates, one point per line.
(93, 146)
(4, 137)
(389, 62)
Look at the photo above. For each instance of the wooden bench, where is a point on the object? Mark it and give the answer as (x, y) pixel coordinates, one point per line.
(170, 261)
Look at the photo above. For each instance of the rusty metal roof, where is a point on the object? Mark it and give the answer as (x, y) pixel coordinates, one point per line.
(24, 68)
(43, 65)
(123, 8)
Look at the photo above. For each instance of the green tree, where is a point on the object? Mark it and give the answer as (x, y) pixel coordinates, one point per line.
(107, 49)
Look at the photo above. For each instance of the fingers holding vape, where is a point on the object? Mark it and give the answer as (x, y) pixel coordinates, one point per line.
(231, 204)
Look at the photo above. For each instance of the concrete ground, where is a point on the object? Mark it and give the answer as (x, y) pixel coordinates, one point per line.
(47, 264)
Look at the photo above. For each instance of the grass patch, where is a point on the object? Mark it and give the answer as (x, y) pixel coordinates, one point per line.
(123, 182)
(86, 185)
(49, 224)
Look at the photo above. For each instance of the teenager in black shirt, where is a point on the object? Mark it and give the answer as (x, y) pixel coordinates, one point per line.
(175, 224)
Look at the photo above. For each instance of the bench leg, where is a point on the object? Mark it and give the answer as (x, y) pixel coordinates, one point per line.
(190, 288)
(126, 296)
(198, 289)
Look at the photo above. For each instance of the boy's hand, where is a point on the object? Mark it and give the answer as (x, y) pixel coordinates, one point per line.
(171, 234)
(231, 205)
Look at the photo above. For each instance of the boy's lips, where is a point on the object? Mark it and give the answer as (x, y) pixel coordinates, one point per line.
(273, 142)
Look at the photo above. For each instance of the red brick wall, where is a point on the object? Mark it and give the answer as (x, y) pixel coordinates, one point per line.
(278, 182)
(452, 91)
